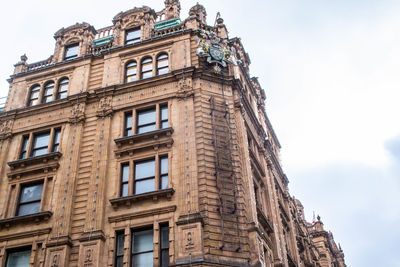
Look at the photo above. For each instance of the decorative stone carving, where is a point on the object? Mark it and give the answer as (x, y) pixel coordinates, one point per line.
(77, 113)
(104, 107)
(200, 12)
(172, 10)
(185, 88)
(6, 129)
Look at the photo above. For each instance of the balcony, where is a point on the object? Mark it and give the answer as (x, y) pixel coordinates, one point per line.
(155, 195)
(36, 217)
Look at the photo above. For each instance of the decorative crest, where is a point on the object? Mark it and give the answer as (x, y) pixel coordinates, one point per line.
(215, 49)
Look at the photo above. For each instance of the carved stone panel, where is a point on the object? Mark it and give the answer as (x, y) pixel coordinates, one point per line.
(189, 241)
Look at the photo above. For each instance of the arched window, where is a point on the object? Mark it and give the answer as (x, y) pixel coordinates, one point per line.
(130, 75)
(147, 68)
(48, 92)
(62, 89)
(34, 95)
(162, 64)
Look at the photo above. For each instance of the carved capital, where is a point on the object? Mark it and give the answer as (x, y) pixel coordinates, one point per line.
(6, 129)
(104, 107)
(185, 88)
(77, 113)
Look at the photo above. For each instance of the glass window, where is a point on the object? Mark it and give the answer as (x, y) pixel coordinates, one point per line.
(34, 95)
(119, 250)
(146, 120)
(71, 51)
(164, 116)
(20, 258)
(131, 71)
(128, 124)
(162, 64)
(132, 36)
(62, 89)
(142, 248)
(48, 92)
(24, 147)
(163, 172)
(147, 68)
(144, 176)
(40, 144)
(164, 245)
(56, 140)
(124, 179)
(29, 201)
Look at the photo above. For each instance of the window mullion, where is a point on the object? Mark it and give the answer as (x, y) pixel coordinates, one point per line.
(29, 146)
(158, 117)
(135, 120)
(157, 173)
(51, 138)
(41, 207)
(131, 183)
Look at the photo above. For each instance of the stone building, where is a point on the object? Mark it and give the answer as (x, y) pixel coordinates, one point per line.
(146, 143)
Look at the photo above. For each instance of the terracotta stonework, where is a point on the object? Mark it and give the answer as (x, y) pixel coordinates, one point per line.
(131, 131)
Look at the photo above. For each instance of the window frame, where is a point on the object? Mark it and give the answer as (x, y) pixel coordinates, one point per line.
(37, 88)
(161, 248)
(132, 174)
(69, 46)
(16, 250)
(135, 75)
(59, 92)
(131, 252)
(21, 188)
(139, 126)
(159, 120)
(45, 96)
(118, 255)
(159, 59)
(30, 138)
(144, 64)
(133, 40)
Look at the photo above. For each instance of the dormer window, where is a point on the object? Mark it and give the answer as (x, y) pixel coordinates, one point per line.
(132, 36)
(71, 51)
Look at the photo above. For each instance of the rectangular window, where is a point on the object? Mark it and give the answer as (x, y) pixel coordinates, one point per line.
(128, 124)
(40, 144)
(142, 248)
(164, 172)
(56, 140)
(24, 147)
(144, 176)
(71, 51)
(119, 249)
(18, 258)
(164, 116)
(164, 245)
(29, 200)
(146, 120)
(132, 36)
(124, 179)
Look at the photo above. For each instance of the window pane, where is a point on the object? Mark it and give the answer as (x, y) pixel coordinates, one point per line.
(162, 71)
(164, 113)
(57, 134)
(164, 182)
(24, 147)
(128, 120)
(132, 34)
(71, 51)
(163, 56)
(120, 261)
(145, 129)
(31, 208)
(143, 260)
(147, 60)
(34, 102)
(35, 95)
(125, 173)
(146, 75)
(39, 152)
(125, 191)
(162, 63)
(120, 244)
(164, 124)
(19, 259)
(41, 140)
(165, 258)
(144, 186)
(165, 237)
(62, 95)
(164, 165)
(147, 67)
(146, 116)
(142, 241)
(145, 169)
(31, 193)
(47, 99)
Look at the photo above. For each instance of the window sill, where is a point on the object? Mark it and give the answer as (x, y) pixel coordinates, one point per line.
(155, 195)
(153, 139)
(36, 217)
(44, 163)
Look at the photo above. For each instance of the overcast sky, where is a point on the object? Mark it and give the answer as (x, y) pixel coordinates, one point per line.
(331, 73)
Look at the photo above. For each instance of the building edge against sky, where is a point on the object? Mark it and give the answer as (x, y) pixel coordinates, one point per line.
(147, 143)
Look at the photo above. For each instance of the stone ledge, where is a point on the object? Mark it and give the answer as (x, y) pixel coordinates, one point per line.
(36, 217)
(155, 195)
(94, 235)
(25, 234)
(64, 240)
(264, 221)
(140, 214)
(43, 163)
(154, 139)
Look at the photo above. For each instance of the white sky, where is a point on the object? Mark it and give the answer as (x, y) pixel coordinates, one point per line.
(331, 73)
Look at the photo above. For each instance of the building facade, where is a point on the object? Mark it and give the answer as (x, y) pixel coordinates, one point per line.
(146, 143)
